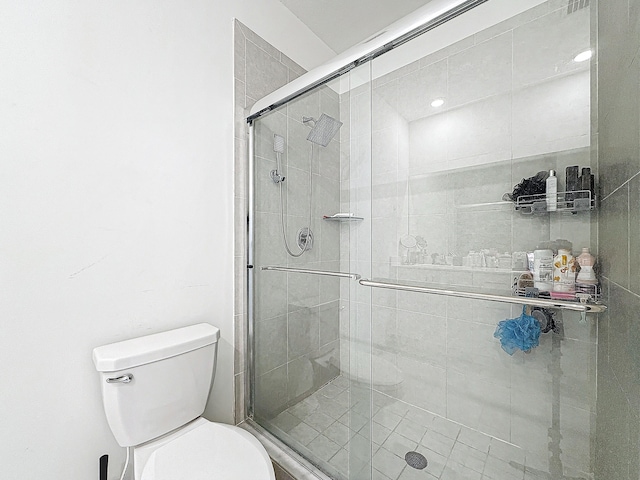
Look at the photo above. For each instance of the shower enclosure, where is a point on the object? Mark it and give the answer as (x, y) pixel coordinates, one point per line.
(384, 251)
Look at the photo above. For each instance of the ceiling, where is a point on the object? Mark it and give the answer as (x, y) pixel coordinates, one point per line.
(344, 23)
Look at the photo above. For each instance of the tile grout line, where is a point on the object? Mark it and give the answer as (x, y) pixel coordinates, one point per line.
(626, 182)
(621, 287)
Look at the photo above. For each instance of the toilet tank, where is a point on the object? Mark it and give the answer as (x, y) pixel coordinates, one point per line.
(154, 384)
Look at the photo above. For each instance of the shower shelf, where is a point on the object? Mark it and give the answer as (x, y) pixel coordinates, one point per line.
(574, 201)
(342, 218)
(484, 205)
(456, 268)
(537, 204)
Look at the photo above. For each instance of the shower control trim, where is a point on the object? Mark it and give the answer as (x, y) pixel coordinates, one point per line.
(122, 379)
(276, 177)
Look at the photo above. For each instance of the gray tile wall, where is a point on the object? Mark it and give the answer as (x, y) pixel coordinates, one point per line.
(296, 314)
(259, 69)
(618, 420)
(297, 348)
(484, 140)
(355, 197)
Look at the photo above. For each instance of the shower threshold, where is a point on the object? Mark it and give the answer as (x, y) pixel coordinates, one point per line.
(284, 456)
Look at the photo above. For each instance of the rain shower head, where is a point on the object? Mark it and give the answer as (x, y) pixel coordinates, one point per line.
(324, 129)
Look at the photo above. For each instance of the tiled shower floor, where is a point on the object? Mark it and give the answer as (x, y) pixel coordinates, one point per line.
(326, 425)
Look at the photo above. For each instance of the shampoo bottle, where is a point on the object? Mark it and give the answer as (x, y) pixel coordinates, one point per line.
(552, 192)
(586, 262)
(543, 270)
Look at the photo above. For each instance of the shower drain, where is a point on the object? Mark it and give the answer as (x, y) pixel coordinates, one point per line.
(416, 460)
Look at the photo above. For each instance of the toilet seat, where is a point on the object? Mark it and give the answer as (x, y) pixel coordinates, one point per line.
(204, 450)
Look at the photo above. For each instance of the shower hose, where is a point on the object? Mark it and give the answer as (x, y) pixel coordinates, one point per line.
(282, 220)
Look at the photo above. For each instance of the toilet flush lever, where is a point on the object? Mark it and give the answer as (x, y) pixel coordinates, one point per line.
(122, 379)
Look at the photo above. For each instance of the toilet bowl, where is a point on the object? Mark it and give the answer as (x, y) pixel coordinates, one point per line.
(203, 450)
(154, 391)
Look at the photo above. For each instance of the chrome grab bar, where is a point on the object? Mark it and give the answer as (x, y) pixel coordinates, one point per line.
(122, 379)
(354, 276)
(536, 302)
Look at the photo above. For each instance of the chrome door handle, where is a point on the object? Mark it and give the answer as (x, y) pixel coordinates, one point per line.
(123, 379)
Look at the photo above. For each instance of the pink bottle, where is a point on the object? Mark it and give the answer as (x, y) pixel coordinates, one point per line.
(586, 262)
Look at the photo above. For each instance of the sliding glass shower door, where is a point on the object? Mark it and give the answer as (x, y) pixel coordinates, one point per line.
(311, 320)
(455, 130)
(397, 212)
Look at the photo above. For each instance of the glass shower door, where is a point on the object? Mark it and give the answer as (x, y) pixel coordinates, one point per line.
(310, 337)
(385, 259)
(460, 116)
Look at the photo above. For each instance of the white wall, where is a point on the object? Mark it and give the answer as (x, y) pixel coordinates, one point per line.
(116, 202)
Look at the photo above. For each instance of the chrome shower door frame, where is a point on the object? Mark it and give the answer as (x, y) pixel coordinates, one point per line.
(250, 382)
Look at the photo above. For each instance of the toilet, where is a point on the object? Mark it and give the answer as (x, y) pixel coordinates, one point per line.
(154, 391)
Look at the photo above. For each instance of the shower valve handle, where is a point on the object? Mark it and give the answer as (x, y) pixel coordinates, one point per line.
(276, 177)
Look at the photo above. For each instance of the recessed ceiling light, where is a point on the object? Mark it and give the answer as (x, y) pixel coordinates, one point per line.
(583, 56)
(438, 102)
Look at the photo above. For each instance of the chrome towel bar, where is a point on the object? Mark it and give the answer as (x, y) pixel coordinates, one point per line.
(354, 276)
(536, 302)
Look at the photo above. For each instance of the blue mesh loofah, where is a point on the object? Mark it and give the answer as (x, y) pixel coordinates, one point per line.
(518, 333)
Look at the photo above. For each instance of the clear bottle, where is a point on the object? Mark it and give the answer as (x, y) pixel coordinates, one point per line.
(564, 272)
(552, 192)
(586, 262)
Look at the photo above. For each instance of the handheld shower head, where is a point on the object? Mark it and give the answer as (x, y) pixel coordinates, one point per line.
(278, 147)
(278, 143)
(324, 129)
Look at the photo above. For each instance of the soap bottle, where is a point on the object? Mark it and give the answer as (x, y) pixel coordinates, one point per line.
(552, 191)
(572, 183)
(587, 183)
(586, 261)
(564, 272)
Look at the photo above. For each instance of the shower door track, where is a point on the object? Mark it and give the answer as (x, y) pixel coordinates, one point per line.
(440, 13)
(536, 302)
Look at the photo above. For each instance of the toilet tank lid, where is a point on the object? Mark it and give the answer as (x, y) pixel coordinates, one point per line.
(152, 348)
